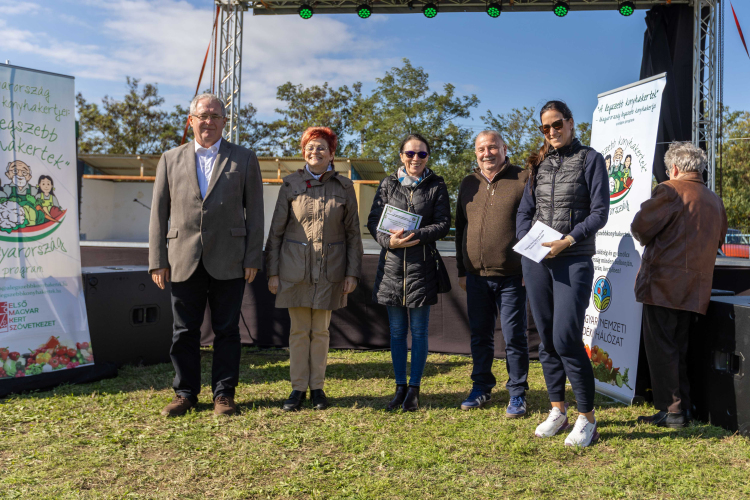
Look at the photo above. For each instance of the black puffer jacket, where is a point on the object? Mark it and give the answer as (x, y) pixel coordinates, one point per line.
(408, 276)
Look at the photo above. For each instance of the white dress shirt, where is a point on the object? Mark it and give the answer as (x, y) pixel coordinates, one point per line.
(205, 158)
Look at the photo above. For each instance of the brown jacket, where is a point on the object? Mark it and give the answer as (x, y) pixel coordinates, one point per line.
(314, 241)
(486, 222)
(225, 229)
(681, 226)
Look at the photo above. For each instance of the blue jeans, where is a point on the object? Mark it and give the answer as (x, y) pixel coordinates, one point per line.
(400, 318)
(484, 297)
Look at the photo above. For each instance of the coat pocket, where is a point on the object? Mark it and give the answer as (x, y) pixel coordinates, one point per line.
(172, 233)
(336, 262)
(293, 261)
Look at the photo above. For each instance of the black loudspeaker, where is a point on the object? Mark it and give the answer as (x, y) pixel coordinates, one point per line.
(130, 318)
(718, 369)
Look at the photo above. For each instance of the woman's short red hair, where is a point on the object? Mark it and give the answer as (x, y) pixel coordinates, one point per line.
(324, 133)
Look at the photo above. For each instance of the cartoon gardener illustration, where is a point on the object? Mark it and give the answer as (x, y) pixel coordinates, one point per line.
(46, 200)
(20, 191)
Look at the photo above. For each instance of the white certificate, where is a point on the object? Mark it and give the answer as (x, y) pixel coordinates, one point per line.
(394, 219)
(530, 245)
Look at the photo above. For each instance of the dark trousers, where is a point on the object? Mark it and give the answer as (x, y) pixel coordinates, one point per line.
(665, 337)
(189, 299)
(484, 297)
(559, 290)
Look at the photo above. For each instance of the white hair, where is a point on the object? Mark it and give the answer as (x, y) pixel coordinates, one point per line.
(490, 132)
(206, 95)
(686, 156)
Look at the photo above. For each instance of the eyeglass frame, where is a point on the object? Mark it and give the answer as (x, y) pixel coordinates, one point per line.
(318, 149)
(208, 116)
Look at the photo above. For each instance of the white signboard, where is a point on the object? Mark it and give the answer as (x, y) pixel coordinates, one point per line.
(624, 132)
(43, 324)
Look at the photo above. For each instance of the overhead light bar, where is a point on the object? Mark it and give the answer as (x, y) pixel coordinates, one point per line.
(305, 11)
(494, 9)
(364, 11)
(626, 7)
(430, 10)
(561, 8)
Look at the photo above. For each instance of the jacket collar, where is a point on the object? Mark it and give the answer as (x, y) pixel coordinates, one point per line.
(691, 177)
(307, 176)
(566, 150)
(504, 168)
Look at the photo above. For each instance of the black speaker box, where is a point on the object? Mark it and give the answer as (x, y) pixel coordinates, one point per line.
(130, 318)
(718, 353)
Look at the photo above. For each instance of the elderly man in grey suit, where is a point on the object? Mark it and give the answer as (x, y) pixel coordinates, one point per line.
(206, 234)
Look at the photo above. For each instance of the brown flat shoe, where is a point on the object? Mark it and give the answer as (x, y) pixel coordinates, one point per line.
(224, 405)
(178, 407)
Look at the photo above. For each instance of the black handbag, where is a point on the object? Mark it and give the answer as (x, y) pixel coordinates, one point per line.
(444, 280)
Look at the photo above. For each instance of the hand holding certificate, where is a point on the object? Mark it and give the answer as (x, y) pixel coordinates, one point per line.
(531, 245)
(394, 221)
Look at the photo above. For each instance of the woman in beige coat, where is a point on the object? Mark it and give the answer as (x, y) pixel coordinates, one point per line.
(314, 258)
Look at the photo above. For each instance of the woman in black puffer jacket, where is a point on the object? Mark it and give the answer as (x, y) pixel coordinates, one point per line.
(407, 278)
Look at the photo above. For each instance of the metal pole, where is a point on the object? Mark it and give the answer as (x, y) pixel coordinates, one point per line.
(705, 88)
(230, 63)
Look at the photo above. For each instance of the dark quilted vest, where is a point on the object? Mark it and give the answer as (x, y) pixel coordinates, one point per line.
(562, 196)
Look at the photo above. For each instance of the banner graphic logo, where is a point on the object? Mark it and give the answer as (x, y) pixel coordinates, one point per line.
(602, 294)
(620, 174)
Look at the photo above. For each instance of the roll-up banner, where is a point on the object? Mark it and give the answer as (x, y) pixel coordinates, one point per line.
(43, 324)
(624, 131)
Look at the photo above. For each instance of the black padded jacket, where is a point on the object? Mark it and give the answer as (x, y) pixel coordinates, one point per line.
(408, 276)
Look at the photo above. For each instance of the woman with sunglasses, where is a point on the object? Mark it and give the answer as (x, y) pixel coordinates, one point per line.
(314, 256)
(568, 190)
(407, 276)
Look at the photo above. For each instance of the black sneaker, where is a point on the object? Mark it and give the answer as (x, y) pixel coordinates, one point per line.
(294, 403)
(319, 399)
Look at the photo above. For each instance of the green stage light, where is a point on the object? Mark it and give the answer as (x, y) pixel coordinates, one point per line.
(430, 10)
(626, 7)
(561, 8)
(494, 9)
(364, 11)
(305, 11)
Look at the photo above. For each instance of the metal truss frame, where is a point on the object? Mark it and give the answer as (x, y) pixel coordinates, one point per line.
(706, 39)
(230, 30)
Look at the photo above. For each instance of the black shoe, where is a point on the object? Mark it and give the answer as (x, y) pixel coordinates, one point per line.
(411, 401)
(676, 420)
(657, 419)
(294, 403)
(398, 399)
(319, 399)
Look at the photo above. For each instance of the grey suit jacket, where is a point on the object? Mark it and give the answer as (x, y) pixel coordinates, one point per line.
(225, 228)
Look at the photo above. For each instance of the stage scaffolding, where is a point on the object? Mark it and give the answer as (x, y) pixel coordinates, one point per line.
(707, 39)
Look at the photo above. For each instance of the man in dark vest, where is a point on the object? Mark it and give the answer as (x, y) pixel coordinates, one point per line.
(490, 271)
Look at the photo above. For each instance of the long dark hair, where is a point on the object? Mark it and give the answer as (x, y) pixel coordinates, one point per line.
(536, 158)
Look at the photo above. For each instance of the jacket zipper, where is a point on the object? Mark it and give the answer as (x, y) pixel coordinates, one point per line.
(481, 229)
(552, 198)
(408, 209)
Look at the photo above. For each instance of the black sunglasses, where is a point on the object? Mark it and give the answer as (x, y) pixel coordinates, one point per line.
(421, 154)
(557, 125)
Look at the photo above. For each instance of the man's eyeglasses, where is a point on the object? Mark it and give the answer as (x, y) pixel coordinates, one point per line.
(557, 125)
(205, 117)
(421, 154)
(313, 149)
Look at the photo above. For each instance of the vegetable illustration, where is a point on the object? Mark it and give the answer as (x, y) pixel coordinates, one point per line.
(603, 370)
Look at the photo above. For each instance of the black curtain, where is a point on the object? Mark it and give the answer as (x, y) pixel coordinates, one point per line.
(668, 47)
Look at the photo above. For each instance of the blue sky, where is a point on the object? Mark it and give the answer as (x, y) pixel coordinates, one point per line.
(519, 59)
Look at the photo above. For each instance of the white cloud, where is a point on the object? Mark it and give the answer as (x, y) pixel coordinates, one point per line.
(12, 7)
(164, 41)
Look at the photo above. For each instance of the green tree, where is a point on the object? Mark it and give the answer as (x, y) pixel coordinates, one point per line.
(402, 103)
(315, 106)
(733, 182)
(134, 125)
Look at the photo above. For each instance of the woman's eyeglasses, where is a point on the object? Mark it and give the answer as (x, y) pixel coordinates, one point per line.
(421, 154)
(557, 125)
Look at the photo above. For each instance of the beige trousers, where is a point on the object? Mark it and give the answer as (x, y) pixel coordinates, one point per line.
(308, 347)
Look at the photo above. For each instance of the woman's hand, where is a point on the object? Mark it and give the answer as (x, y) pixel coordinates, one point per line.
(273, 284)
(556, 246)
(398, 242)
(350, 283)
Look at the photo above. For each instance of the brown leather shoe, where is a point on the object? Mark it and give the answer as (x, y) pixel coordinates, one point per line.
(224, 405)
(178, 407)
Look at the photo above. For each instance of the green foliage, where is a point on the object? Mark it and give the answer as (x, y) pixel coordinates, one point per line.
(520, 131)
(733, 182)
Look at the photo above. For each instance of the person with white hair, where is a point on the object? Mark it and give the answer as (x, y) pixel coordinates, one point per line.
(681, 226)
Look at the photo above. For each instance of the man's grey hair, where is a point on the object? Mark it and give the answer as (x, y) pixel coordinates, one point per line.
(687, 157)
(206, 95)
(490, 132)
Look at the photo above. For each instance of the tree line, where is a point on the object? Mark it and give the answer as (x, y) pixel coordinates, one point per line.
(371, 126)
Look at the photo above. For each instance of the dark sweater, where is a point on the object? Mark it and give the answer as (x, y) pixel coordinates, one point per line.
(486, 222)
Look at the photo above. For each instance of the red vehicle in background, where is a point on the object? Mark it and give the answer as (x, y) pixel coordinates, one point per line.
(737, 244)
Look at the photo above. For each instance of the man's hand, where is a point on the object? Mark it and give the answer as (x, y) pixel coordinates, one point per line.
(556, 246)
(160, 277)
(273, 284)
(462, 283)
(250, 273)
(350, 283)
(398, 242)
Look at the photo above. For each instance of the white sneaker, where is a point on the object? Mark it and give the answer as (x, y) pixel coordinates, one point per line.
(556, 422)
(583, 434)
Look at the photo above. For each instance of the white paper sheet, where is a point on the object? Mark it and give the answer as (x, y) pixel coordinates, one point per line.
(530, 245)
(394, 219)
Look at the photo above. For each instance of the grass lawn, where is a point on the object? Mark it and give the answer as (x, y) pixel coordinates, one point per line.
(107, 440)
